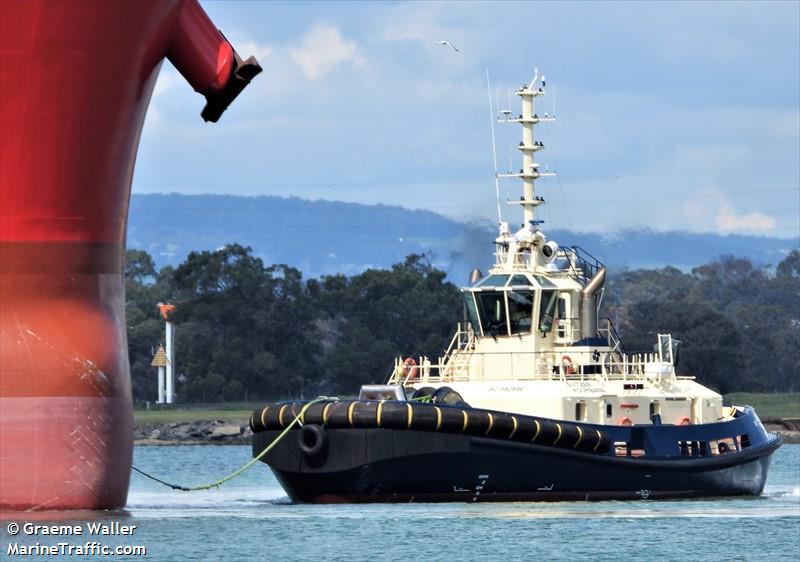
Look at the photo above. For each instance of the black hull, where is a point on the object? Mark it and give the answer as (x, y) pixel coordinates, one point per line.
(392, 465)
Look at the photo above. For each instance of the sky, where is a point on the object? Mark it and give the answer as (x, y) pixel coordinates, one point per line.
(670, 116)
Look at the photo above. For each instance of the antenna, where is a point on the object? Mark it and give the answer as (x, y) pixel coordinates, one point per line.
(494, 149)
(535, 78)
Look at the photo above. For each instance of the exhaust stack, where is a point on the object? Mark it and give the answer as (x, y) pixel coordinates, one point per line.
(589, 304)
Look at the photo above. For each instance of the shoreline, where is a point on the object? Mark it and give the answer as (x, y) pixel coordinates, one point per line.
(788, 429)
(205, 432)
(221, 432)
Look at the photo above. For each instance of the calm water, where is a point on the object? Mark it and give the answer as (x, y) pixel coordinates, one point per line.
(250, 519)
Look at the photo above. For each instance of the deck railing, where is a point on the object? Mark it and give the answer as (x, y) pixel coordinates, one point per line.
(468, 365)
(583, 265)
(609, 332)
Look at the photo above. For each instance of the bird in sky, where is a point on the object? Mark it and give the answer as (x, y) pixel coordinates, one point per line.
(449, 44)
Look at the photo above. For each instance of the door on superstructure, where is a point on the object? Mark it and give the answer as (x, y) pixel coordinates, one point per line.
(607, 413)
(564, 318)
(696, 415)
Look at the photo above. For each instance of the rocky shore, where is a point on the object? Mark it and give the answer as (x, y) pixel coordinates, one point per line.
(220, 432)
(213, 432)
(788, 428)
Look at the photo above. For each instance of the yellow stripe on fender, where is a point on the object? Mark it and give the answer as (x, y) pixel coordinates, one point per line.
(599, 439)
(378, 414)
(491, 423)
(580, 436)
(466, 421)
(410, 411)
(560, 433)
(325, 412)
(350, 413)
(263, 416)
(538, 430)
(438, 417)
(513, 431)
(280, 415)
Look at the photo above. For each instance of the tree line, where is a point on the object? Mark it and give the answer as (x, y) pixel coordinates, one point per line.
(248, 331)
(739, 324)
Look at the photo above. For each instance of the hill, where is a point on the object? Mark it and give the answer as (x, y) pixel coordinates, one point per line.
(326, 237)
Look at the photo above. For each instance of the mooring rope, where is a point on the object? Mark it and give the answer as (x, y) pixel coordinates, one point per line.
(248, 464)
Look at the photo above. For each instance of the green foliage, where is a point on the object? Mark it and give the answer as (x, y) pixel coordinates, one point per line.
(772, 406)
(739, 325)
(409, 310)
(247, 332)
(139, 266)
(789, 268)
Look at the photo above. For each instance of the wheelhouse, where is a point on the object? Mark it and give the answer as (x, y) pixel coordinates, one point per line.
(502, 305)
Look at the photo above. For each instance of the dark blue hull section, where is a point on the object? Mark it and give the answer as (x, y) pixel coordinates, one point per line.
(395, 465)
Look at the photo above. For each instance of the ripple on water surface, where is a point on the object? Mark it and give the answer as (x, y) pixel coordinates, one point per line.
(254, 512)
(251, 518)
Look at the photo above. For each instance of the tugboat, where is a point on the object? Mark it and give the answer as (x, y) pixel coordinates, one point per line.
(534, 399)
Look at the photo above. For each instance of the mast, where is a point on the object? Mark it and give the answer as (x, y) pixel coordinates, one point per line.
(529, 146)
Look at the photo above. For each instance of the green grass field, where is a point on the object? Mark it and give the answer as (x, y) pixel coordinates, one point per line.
(768, 406)
(157, 414)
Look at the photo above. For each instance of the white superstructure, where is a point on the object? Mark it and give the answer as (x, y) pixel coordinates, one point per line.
(532, 343)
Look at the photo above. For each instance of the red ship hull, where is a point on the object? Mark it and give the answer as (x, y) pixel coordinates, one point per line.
(75, 82)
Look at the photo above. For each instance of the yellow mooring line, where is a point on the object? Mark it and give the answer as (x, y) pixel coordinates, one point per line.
(247, 465)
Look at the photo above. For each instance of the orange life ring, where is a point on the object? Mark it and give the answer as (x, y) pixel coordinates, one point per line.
(685, 421)
(410, 368)
(567, 365)
(625, 421)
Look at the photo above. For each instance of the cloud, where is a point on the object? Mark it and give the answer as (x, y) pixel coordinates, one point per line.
(322, 49)
(251, 48)
(728, 221)
(652, 130)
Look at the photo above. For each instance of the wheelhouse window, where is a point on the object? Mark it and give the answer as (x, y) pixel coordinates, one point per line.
(472, 311)
(519, 280)
(492, 311)
(520, 311)
(493, 281)
(547, 309)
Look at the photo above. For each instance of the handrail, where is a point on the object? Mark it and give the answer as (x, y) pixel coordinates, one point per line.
(582, 260)
(454, 342)
(612, 336)
(535, 365)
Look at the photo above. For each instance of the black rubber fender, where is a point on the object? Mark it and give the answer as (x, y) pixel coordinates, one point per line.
(312, 439)
(423, 392)
(364, 413)
(447, 396)
(394, 414)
